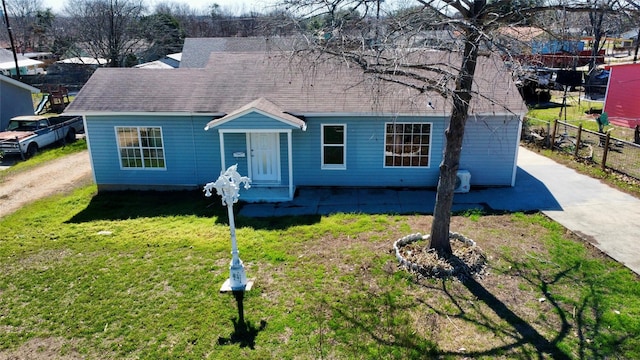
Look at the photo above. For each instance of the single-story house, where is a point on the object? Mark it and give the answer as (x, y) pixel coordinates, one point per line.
(288, 123)
(15, 99)
(26, 65)
(621, 98)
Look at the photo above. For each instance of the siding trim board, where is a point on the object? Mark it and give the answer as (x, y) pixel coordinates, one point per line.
(445, 114)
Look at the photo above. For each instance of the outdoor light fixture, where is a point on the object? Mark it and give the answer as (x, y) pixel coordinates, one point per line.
(228, 187)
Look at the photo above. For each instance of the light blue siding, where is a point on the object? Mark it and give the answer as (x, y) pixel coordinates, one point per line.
(489, 149)
(284, 156)
(14, 101)
(191, 154)
(365, 155)
(235, 142)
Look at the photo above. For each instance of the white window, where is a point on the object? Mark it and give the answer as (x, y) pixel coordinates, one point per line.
(407, 144)
(140, 147)
(334, 146)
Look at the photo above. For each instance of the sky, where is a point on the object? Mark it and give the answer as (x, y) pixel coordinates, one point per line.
(230, 5)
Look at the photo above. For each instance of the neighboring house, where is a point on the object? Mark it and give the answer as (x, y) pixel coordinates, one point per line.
(25, 65)
(621, 99)
(170, 61)
(84, 60)
(518, 39)
(15, 99)
(288, 124)
(533, 46)
(196, 51)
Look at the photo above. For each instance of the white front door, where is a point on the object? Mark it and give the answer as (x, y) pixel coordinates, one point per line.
(264, 150)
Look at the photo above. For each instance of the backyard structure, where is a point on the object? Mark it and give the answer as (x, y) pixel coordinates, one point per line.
(289, 123)
(15, 99)
(55, 99)
(621, 102)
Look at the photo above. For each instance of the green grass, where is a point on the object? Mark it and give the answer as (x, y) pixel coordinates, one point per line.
(577, 112)
(137, 275)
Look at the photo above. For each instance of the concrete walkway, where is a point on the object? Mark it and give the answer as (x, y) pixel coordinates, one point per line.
(604, 216)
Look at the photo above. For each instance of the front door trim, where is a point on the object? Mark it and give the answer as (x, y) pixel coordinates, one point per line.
(268, 158)
(221, 133)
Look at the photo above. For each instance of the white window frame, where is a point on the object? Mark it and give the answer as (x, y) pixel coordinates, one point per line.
(342, 166)
(386, 153)
(140, 149)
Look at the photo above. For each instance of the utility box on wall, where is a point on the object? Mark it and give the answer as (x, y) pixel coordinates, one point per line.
(463, 180)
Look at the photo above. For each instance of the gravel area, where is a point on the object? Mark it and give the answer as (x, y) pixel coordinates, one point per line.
(54, 177)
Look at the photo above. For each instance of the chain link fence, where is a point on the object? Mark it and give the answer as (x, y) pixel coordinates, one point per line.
(599, 148)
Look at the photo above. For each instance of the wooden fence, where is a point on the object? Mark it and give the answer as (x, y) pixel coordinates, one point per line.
(600, 148)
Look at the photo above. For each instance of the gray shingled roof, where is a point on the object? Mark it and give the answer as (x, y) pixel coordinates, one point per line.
(196, 51)
(19, 84)
(235, 79)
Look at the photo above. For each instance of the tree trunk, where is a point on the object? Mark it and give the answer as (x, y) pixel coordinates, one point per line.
(439, 240)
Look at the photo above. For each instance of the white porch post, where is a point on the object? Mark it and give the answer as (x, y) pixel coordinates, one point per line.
(222, 162)
(290, 157)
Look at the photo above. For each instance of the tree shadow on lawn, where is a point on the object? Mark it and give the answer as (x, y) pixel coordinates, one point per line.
(596, 337)
(555, 329)
(592, 341)
(380, 317)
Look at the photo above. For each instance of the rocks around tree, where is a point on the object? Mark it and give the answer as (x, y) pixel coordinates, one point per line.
(467, 260)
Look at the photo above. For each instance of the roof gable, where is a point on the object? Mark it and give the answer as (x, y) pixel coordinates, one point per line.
(264, 107)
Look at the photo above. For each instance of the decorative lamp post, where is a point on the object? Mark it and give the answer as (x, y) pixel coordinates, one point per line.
(228, 187)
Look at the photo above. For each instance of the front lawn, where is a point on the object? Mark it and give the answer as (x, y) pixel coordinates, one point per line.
(137, 276)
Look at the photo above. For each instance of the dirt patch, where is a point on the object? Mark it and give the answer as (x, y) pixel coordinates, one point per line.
(58, 176)
(47, 348)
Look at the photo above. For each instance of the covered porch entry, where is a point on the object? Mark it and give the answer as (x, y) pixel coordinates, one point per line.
(258, 137)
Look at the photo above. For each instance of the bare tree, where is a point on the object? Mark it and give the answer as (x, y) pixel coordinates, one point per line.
(108, 29)
(24, 14)
(598, 29)
(361, 32)
(357, 31)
